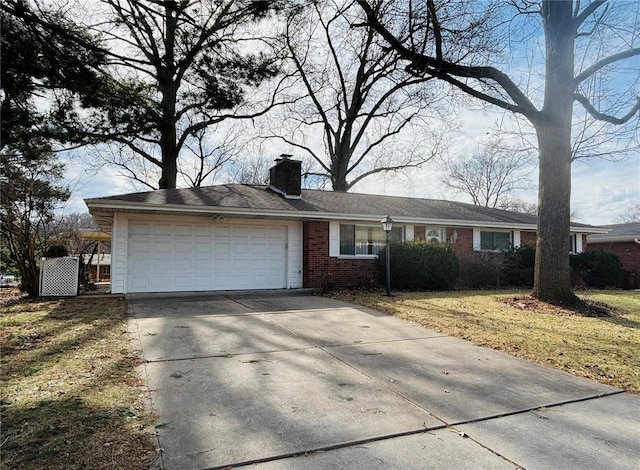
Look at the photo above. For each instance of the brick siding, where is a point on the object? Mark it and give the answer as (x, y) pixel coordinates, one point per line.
(527, 238)
(464, 242)
(321, 270)
(629, 253)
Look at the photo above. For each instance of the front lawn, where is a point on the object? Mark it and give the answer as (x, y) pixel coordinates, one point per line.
(71, 398)
(606, 349)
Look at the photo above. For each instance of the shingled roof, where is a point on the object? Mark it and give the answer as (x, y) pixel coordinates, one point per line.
(254, 200)
(617, 233)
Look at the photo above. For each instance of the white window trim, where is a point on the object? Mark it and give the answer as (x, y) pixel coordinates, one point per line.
(334, 237)
(515, 239)
(578, 243)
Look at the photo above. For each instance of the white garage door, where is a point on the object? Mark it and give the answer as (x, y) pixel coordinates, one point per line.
(170, 257)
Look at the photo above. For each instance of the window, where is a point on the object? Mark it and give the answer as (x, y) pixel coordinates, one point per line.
(434, 235)
(495, 241)
(365, 240)
(105, 270)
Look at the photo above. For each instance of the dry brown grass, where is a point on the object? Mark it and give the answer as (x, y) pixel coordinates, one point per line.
(71, 397)
(603, 348)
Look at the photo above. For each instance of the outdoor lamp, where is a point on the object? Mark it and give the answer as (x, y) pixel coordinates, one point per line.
(387, 225)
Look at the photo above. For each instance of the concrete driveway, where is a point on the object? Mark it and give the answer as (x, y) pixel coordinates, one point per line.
(287, 380)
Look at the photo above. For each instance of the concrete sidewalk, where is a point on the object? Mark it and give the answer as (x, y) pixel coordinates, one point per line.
(283, 379)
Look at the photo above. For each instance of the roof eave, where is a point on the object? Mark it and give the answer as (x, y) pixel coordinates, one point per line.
(614, 239)
(112, 205)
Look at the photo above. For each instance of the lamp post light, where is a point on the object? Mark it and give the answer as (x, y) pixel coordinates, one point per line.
(387, 225)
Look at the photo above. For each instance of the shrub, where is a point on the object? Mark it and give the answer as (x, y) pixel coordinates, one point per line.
(598, 268)
(419, 265)
(519, 266)
(481, 269)
(489, 270)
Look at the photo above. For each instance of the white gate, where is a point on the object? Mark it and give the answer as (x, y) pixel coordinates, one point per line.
(59, 276)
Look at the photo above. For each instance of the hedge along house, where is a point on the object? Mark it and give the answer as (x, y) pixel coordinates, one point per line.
(624, 241)
(235, 236)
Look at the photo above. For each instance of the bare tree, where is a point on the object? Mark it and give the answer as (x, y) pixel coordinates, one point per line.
(490, 175)
(181, 67)
(603, 36)
(632, 215)
(355, 95)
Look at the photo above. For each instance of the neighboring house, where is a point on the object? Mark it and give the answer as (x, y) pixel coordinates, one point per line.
(100, 268)
(238, 236)
(624, 241)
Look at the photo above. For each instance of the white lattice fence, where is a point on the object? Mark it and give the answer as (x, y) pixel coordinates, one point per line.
(59, 276)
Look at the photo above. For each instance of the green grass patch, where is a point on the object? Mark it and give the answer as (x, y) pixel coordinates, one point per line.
(71, 398)
(603, 348)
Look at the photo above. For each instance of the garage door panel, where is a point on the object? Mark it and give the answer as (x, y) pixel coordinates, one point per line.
(137, 228)
(139, 284)
(203, 264)
(162, 282)
(183, 265)
(181, 256)
(184, 282)
(162, 247)
(222, 282)
(202, 247)
(182, 247)
(222, 247)
(202, 282)
(141, 246)
(161, 265)
(163, 229)
(183, 230)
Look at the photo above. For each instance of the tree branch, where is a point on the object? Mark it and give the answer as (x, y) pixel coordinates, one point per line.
(603, 63)
(584, 101)
(445, 70)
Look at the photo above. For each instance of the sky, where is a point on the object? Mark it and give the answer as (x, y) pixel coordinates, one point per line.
(602, 190)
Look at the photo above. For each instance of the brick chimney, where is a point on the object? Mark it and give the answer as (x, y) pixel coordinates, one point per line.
(285, 177)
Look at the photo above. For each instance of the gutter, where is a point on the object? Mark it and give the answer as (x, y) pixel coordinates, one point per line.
(214, 211)
(613, 239)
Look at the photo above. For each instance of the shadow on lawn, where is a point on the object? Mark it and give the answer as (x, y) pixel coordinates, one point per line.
(66, 376)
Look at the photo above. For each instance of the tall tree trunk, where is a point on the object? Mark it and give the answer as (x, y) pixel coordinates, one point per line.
(553, 127)
(169, 177)
(168, 88)
(552, 271)
(339, 170)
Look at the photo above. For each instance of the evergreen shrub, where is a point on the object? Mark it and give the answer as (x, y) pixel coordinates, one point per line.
(420, 265)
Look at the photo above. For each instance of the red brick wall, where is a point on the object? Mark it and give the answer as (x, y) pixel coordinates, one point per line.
(527, 238)
(629, 253)
(93, 270)
(464, 243)
(321, 270)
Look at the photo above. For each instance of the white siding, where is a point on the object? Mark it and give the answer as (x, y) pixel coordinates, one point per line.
(118, 254)
(294, 255)
(334, 238)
